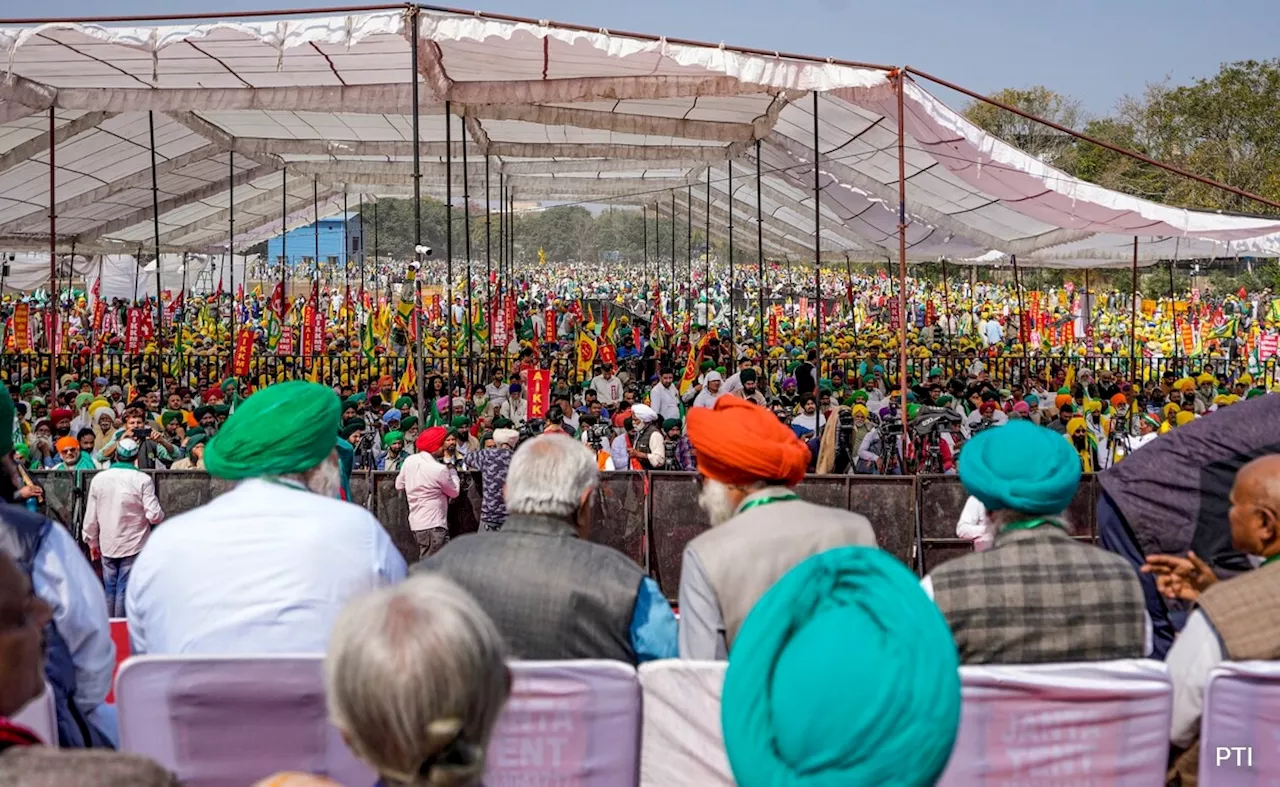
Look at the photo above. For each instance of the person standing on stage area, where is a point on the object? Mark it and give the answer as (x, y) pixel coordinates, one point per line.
(430, 485)
(493, 464)
(267, 566)
(748, 463)
(607, 387)
(665, 397)
(119, 512)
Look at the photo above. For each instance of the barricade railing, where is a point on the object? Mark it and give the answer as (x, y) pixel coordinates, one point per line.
(649, 517)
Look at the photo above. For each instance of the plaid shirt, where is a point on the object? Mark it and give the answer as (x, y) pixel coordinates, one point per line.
(1039, 596)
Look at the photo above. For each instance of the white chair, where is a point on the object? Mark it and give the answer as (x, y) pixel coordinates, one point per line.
(568, 722)
(1240, 727)
(1084, 723)
(231, 720)
(682, 742)
(41, 717)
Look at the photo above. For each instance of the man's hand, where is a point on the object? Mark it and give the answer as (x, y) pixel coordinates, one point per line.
(1180, 577)
(94, 552)
(29, 491)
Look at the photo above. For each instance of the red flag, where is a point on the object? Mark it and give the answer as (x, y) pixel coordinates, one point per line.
(218, 294)
(635, 337)
(243, 353)
(608, 355)
(277, 300)
(148, 326)
(539, 393)
(1243, 293)
(550, 318)
(240, 292)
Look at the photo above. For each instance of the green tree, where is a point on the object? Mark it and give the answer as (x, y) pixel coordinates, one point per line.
(1046, 144)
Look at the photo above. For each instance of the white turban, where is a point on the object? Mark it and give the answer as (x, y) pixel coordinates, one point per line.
(644, 413)
(505, 436)
(714, 377)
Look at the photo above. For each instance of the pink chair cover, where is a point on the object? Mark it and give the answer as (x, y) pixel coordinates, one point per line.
(1239, 728)
(231, 720)
(568, 722)
(682, 742)
(41, 717)
(1063, 724)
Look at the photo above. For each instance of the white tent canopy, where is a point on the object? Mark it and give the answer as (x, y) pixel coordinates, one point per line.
(252, 119)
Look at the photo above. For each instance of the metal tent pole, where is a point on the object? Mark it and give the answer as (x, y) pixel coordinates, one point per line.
(488, 256)
(53, 250)
(706, 242)
(1133, 318)
(466, 241)
(315, 262)
(448, 243)
(155, 229)
(360, 226)
(688, 257)
(375, 254)
(1173, 303)
(946, 306)
(231, 238)
(284, 240)
(417, 209)
(733, 324)
(671, 289)
(346, 265)
(760, 248)
(1024, 334)
(902, 252)
(644, 226)
(817, 235)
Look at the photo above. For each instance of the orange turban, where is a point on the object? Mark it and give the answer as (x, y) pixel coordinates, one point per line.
(740, 443)
(1118, 400)
(65, 443)
(1062, 399)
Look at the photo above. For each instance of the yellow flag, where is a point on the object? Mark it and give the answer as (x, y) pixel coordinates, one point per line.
(542, 256)
(586, 352)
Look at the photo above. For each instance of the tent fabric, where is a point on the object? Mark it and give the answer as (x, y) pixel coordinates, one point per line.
(256, 119)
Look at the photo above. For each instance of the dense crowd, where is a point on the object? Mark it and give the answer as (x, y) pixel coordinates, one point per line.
(783, 605)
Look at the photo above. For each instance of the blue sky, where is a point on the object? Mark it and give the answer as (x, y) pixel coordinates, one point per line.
(1094, 50)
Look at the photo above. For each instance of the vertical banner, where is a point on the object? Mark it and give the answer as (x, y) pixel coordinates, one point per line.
(133, 331)
(148, 325)
(317, 332)
(22, 327)
(773, 328)
(930, 313)
(59, 328)
(99, 313)
(550, 318)
(308, 331)
(511, 317)
(637, 339)
(1267, 346)
(285, 346)
(539, 393)
(243, 354)
(47, 320)
(802, 314)
(895, 315)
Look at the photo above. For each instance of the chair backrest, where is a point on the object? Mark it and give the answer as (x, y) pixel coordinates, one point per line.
(224, 720)
(41, 717)
(682, 742)
(1104, 722)
(568, 722)
(1240, 726)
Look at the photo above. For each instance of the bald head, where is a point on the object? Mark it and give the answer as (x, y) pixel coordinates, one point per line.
(1255, 507)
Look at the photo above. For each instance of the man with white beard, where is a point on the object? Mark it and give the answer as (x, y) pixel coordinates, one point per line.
(267, 566)
(748, 463)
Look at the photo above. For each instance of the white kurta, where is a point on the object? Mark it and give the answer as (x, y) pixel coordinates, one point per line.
(265, 568)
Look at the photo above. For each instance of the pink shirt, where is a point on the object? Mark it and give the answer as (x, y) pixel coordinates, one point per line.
(430, 486)
(120, 510)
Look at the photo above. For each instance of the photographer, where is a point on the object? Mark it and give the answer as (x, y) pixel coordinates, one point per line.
(493, 464)
(595, 436)
(154, 448)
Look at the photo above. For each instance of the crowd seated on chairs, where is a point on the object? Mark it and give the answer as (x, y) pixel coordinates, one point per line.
(840, 668)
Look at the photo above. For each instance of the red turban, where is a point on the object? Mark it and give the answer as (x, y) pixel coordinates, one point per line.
(61, 414)
(741, 443)
(431, 439)
(212, 393)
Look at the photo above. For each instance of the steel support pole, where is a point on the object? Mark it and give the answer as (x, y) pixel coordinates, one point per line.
(902, 253)
(671, 289)
(155, 230)
(706, 240)
(466, 245)
(53, 252)
(760, 250)
(231, 239)
(315, 262)
(346, 266)
(1173, 303)
(644, 263)
(284, 240)
(688, 255)
(360, 295)
(1133, 319)
(1024, 333)
(375, 255)
(733, 324)
(817, 235)
(488, 257)
(417, 211)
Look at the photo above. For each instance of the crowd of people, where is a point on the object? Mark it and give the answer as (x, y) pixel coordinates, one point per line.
(281, 563)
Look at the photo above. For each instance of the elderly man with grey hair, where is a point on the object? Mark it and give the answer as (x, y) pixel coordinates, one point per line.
(552, 593)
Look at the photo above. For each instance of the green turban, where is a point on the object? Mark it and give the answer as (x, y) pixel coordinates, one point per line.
(355, 399)
(404, 401)
(461, 422)
(82, 400)
(202, 411)
(1254, 393)
(391, 437)
(936, 371)
(71, 386)
(170, 416)
(502, 423)
(8, 417)
(223, 409)
(196, 440)
(351, 427)
(945, 400)
(486, 437)
(825, 385)
(282, 429)
(1064, 390)
(859, 396)
(670, 423)
(705, 366)
(1021, 467)
(408, 422)
(230, 382)
(26, 388)
(853, 623)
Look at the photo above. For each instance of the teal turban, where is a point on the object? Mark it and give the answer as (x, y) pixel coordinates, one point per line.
(850, 623)
(1020, 467)
(1032, 400)
(282, 429)
(670, 423)
(8, 415)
